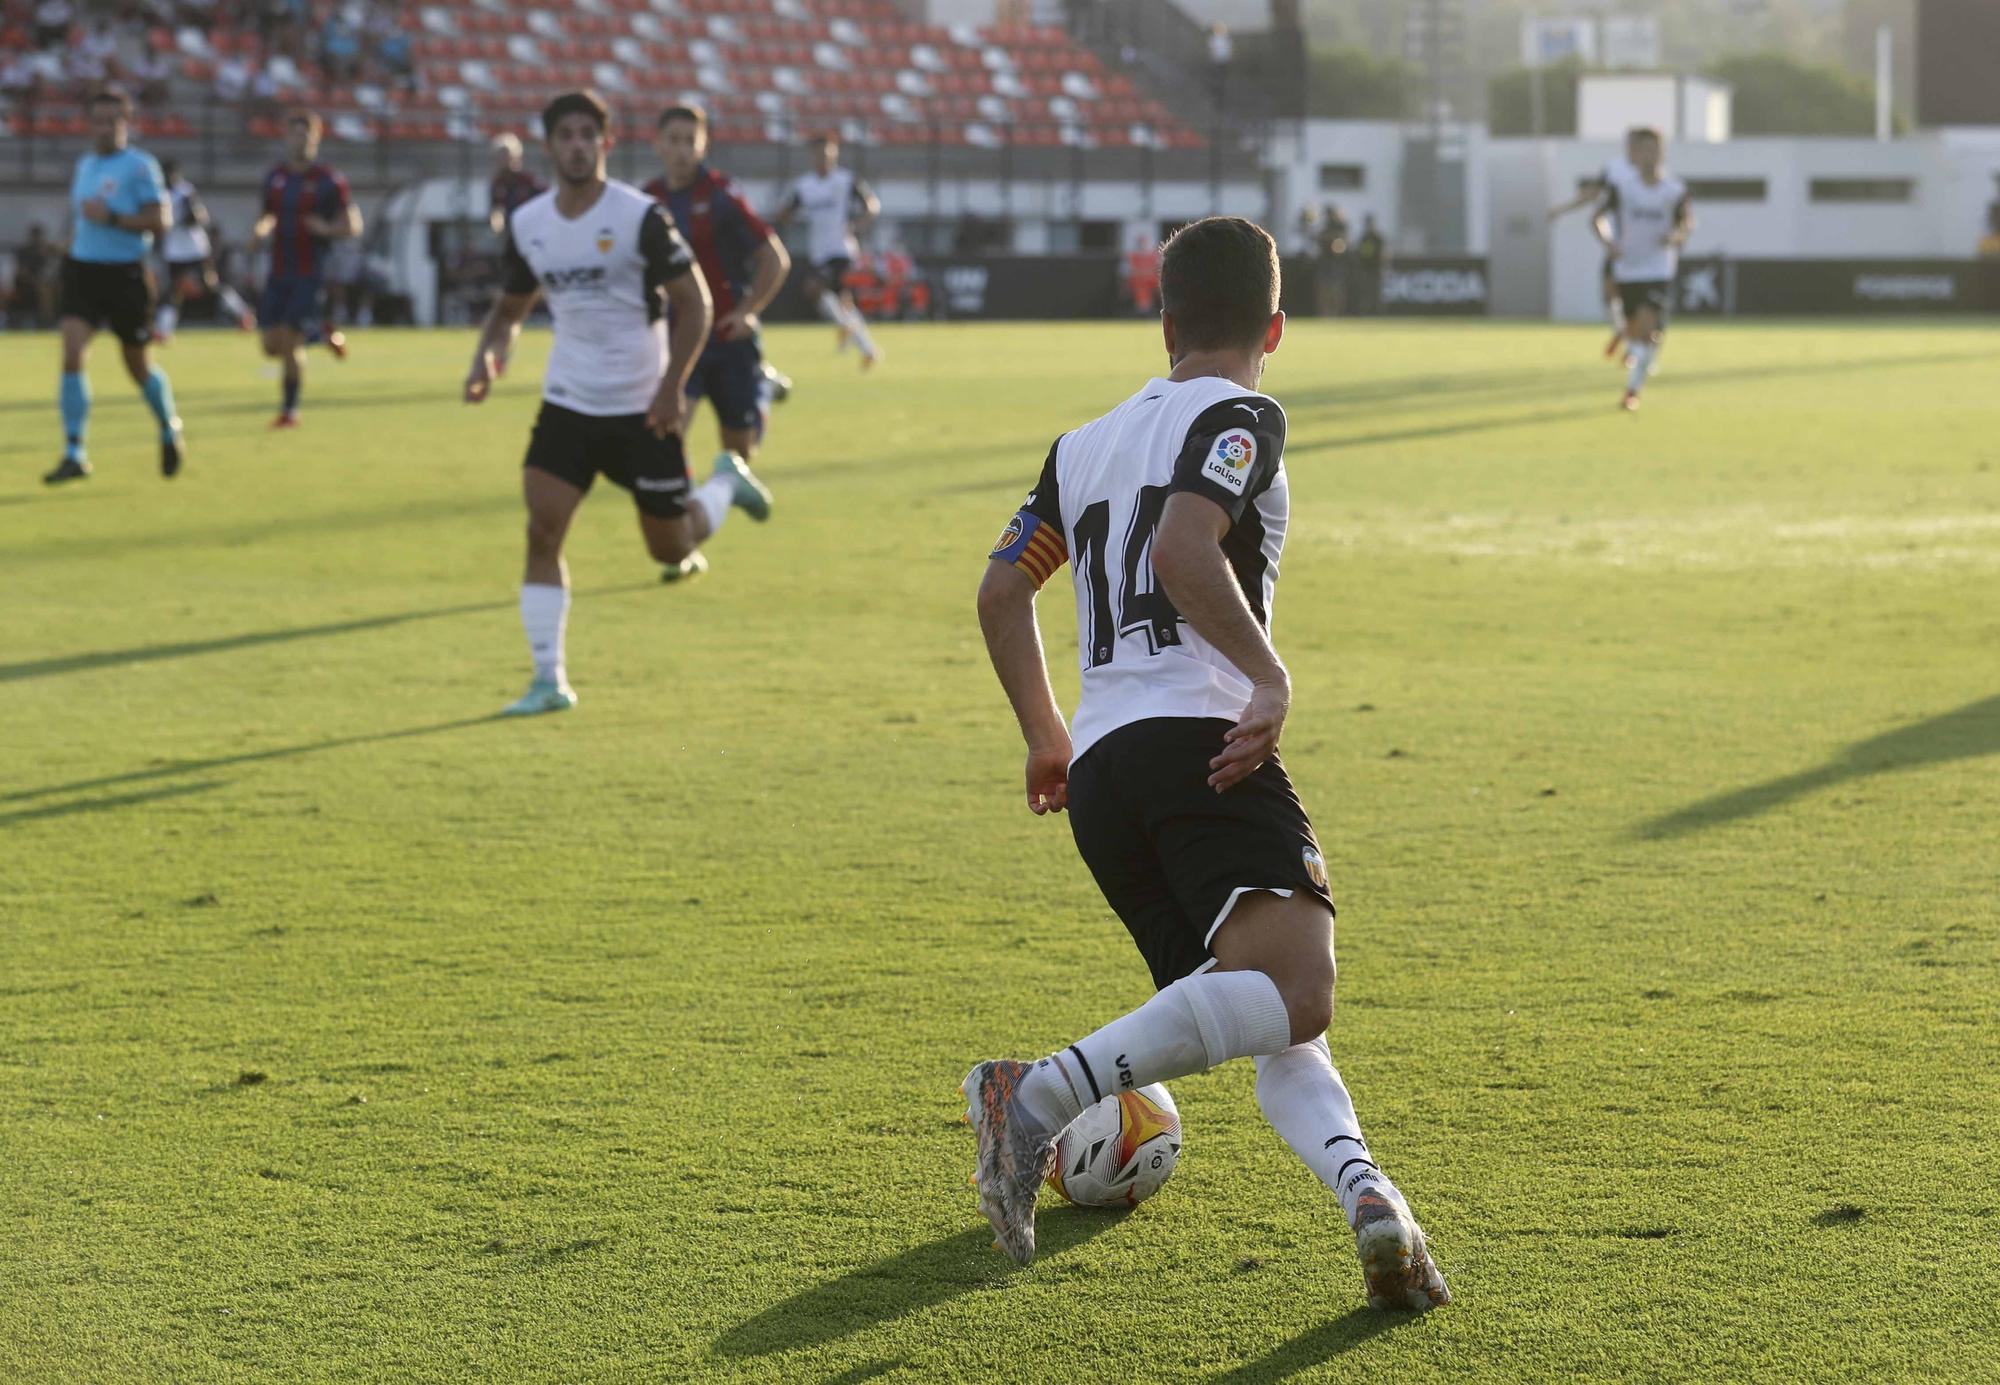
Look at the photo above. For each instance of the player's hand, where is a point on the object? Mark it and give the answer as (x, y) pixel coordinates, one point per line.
(668, 414)
(1048, 778)
(1254, 737)
(737, 322)
(94, 210)
(479, 382)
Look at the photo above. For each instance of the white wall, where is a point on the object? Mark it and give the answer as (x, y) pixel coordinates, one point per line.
(1943, 219)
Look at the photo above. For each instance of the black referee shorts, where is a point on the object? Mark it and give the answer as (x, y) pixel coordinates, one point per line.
(118, 296)
(1171, 854)
(579, 448)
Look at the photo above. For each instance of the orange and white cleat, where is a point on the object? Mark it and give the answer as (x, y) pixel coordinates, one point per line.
(1396, 1266)
(336, 342)
(283, 421)
(1015, 1155)
(1630, 404)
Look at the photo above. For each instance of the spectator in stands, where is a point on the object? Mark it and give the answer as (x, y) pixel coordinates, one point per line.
(155, 72)
(392, 50)
(1221, 49)
(232, 78)
(1371, 257)
(52, 21)
(339, 48)
(24, 76)
(1330, 264)
(1309, 228)
(35, 278)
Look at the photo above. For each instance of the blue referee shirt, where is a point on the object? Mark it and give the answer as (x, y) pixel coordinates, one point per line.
(128, 181)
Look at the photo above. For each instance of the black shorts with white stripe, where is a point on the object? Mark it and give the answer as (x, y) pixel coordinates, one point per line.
(1172, 855)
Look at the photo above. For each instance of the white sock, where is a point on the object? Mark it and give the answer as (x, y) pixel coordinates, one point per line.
(832, 309)
(1306, 1102)
(166, 320)
(544, 609)
(1614, 309)
(1642, 361)
(714, 497)
(233, 301)
(857, 327)
(1190, 1026)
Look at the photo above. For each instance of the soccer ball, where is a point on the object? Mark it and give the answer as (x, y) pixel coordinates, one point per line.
(1121, 1151)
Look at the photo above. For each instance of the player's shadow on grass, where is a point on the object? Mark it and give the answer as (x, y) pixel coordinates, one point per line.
(248, 757)
(148, 653)
(101, 805)
(1965, 734)
(1315, 1347)
(919, 1278)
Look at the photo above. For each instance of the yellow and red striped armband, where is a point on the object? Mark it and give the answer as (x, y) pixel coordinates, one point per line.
(1033, 546)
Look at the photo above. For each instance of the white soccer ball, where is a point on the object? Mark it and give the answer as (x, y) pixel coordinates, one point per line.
(1121, 1151)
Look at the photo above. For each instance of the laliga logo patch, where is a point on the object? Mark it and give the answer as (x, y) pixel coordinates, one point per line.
(1229, 463)
(1008, 536)
(1315, 866)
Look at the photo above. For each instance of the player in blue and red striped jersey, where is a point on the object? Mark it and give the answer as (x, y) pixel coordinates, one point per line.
(306, 205)
(745, 264)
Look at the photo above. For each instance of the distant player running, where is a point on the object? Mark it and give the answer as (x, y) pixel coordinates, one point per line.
(1171, 510)
(744, 264)
(118, 200)
(306, 205)
(1645, 220)
(190, 259)
(837, 205)
(1590, 193)
(613, 397)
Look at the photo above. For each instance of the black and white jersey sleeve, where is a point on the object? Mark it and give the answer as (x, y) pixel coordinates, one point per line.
(665, 253)
(1231, 453)
(1033, 540)
(517, 276)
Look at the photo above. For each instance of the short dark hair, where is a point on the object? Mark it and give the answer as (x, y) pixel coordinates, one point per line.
(112, 95)
(822, 139)
(302, 115)
(585, 102)
(1651, 132)
(685, 112)
(1219, 280)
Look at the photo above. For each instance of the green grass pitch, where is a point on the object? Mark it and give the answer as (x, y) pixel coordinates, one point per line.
(346, 1032)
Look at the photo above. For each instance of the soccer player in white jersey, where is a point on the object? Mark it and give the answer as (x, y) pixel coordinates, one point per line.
(1652, 221)
(612, 398)
(190, 259)
(1171, 511)
(837, 205)
(1591, 193)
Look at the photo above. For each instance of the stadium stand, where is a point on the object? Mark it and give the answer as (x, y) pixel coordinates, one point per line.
(770, 71)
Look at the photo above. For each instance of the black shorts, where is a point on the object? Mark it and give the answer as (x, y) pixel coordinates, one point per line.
(1657, 294)
(730, 375)
(833, 272)
(580, 447)
(118, 296)
(1171, 854)
(196, 270)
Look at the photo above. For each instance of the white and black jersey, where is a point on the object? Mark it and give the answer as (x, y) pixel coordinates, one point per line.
(830, 202)
(186, 240)
(1097, 504)
(602, 273)
(1645, 215)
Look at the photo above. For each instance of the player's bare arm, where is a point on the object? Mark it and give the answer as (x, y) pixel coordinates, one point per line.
(1014, 643)
(868, 207)
(343, 227)
(496, 343)
(1590, 192)
(1188, 557)
(771, 264)
(261, 228)
(1683, 224)
(692, 312)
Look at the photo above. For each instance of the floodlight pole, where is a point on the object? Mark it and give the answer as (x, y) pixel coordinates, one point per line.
(1885, 77)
